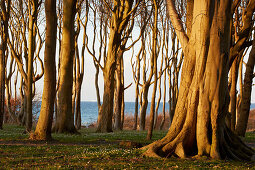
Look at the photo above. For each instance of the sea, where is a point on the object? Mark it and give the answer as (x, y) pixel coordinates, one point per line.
(89, 110)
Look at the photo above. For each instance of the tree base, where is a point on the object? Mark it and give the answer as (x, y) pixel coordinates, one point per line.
(231, 147)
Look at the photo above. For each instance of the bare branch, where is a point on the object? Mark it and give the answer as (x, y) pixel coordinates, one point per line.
(177, 24)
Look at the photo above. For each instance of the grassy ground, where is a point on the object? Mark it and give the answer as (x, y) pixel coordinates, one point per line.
(94, 151)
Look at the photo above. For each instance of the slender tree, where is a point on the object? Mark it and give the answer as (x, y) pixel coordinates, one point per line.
(154, 58)
(121, 13)
(43, 127)
(5, 13)
(241, 124)
(31, 49)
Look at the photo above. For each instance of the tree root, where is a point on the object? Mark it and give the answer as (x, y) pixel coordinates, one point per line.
(230, 147)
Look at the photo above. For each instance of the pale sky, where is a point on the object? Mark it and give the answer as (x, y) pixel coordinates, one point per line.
(88, 92)
(88, 87)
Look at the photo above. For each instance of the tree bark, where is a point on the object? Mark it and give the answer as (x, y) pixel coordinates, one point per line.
(5, 14)
(119, 93)
(198, 127)
(144, 106)
(44, 125)
(31, 51)
(154, 58)
(121, 13)
(65, 118)
(233, 100)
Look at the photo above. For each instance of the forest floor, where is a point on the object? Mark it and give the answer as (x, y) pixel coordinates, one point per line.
(90, 150)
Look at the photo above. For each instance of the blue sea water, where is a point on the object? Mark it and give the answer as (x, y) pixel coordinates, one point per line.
(89, 110)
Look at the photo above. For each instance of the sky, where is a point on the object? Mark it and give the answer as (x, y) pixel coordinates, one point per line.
(88, 87)
(88, 92)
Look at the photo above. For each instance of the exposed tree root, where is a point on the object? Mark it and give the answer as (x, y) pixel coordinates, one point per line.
(231, 147)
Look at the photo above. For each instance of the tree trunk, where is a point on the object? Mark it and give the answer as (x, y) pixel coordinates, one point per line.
(119, 94)
(164, 100)
(144, 106)
(43, 127)
(78, 106)
(119, 21)
(137, 92)
(65, 118)
(154, 57)
(106, 110)
(241, 124)
(232, 106)
(198, 127)
(5, 13)
(31, 50)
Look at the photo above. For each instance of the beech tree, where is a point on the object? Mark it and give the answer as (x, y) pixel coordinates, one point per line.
(121, 11)
(198, 127)
(25, 15)
(244, 111)
(43, 127)
(65, 118)
(154, 70)
(4, 19)
(79, 65)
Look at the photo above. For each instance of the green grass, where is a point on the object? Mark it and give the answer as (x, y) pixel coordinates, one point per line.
(94, 151)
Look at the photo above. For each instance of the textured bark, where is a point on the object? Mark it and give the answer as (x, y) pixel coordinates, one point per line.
(65, 118)
(198, 128)
(241, 124)
(43, 127)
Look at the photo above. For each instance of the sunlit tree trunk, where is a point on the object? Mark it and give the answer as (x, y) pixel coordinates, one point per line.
(232, 105)
(198, 127)
(65, 118)
(121, 13)
(43, 127)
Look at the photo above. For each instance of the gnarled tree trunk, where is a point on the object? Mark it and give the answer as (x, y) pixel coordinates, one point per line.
(198, 127)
